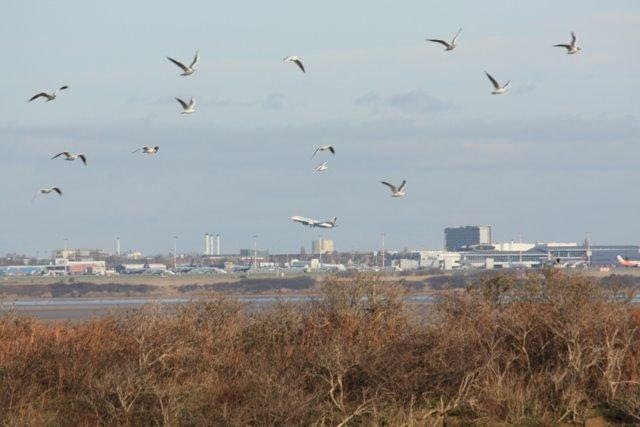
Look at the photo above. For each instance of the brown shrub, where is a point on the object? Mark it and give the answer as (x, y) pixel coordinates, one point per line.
(535, 349)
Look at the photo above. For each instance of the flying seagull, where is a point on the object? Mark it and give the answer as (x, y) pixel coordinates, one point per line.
(297, 60)
(147, 150)
(447, 45)
(71, 157)
(321, 167)
(50, 189)
(46, 191)
(571, 47)
(498, 89)
(187, 108)
(48, 96)
(396, 191)
(324, 148)
(191, 68)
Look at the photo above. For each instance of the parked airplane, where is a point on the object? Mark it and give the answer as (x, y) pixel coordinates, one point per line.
(313, 223)
(626, 262)
(334, 268)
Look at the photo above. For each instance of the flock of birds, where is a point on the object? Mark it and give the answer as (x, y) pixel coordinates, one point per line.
(190, 107)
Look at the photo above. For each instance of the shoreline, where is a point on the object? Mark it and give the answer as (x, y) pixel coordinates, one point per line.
(17, 288)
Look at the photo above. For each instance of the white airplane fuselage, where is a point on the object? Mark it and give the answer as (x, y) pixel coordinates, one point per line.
(314, 223)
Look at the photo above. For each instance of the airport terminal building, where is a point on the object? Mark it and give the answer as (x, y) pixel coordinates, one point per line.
(543, 254)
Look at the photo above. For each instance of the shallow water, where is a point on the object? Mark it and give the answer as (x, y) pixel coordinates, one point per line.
(76, 309)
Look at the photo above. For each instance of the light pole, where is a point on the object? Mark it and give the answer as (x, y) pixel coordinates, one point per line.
(65, 252)
(382, 251)
(175, 250)
(520, 247)
(255, 251)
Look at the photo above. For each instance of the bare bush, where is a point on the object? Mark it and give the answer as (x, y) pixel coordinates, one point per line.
(540, 348)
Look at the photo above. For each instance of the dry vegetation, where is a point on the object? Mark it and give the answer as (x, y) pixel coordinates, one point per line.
(539, 349)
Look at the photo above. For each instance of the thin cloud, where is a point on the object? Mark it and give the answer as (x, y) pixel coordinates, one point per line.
(415, 101)
(275, 101)
(526, 88)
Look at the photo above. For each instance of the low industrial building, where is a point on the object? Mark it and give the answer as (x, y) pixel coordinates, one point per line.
(410, 260)
(80, 254)
(60, 267)
(96, 268)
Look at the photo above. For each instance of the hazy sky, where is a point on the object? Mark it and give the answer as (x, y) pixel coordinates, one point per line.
(557, 156)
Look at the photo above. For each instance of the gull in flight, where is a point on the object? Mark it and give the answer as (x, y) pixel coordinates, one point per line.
(187, 108)
(447, 45)
(297, 60)
(147, 150)
(396, 191)
(321, 167)
(48, 96)
(71, 157)
(47, 191)
(191, 68)
(324, 148)
(498, 89)
(571, 47)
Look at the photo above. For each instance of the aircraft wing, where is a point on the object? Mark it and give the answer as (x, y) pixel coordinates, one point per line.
(304, 221)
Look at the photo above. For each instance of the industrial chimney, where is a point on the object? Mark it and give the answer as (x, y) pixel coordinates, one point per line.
(207, 245)
(218, 244)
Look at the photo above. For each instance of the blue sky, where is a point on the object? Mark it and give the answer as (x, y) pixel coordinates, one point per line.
(554, 158)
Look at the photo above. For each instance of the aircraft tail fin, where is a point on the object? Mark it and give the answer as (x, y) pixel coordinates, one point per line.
(333, 220)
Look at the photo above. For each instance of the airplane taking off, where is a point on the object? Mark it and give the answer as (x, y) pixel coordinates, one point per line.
(313, 223)
(627, 262)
